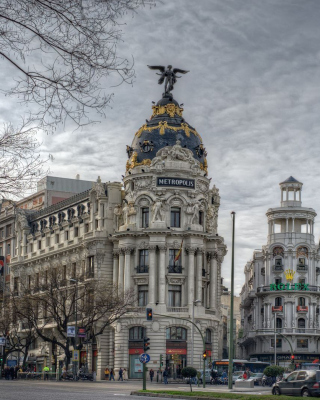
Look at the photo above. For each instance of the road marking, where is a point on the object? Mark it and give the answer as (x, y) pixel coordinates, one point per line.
(119, 394)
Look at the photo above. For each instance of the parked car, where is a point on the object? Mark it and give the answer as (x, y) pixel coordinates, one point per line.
(298, 383)
(207, 374)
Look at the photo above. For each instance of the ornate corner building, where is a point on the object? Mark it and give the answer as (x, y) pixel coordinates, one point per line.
(155, 233)
(281, 291)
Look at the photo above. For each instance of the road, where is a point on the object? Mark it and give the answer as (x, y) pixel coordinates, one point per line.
(40, 390)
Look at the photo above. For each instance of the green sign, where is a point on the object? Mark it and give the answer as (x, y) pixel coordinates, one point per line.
(289, 286)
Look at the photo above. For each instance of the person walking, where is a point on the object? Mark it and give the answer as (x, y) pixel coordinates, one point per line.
(46, 373)
(111, 375)
(165, 377)
(120, 375)
(125, 375)
(151, 374)
(106, 374)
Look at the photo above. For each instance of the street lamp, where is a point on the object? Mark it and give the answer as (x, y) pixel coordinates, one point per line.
(192, 330)
(76, 324)
(231, 338)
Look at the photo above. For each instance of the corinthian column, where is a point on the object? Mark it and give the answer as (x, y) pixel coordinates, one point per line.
(152, 274)
(191, 251)
(115, 274)
(121, 270)
(162, 274)
(199, 276)
(213, 281)
(127, 272)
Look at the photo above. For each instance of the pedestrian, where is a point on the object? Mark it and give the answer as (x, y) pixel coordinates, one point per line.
(151, 374)
(106, 374)
(245, 376)
(165, 377)
(111, 375)
(125, 375)
(46, 373)
(120, 375)
(12, 372)
(7, 373)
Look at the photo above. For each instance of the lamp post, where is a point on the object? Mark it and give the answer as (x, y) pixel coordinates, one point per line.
(275, 338)
(231, 338)
(76, 325)
(192, 329)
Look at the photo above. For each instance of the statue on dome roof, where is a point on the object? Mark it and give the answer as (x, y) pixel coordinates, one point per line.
(168, 76)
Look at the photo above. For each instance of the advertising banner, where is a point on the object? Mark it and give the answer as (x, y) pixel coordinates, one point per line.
(71, 331)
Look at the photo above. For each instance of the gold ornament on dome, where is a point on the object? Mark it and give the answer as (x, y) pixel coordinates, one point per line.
(132, 162)
(171, 109)
(163, 126)
(204, 166)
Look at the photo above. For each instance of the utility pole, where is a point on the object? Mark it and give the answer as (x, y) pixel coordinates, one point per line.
(231, 338)
(76, 325)
(275, 338)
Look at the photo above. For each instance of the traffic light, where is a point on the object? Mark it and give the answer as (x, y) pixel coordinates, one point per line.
(204, 355)
(146, 343)
(149, 314)
(292, 359)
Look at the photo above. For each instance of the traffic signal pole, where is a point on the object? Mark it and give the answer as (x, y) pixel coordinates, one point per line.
(144, 376)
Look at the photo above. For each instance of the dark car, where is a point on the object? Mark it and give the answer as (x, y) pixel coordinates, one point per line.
(298, 383)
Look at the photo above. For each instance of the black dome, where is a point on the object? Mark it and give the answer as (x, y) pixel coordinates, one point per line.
(165, 127)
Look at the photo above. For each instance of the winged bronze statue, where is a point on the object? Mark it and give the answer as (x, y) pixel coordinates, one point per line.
(168, 76)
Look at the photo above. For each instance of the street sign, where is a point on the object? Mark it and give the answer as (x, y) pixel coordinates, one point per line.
(144, 358)
(75, 355)
(71, 331)
(2, 341)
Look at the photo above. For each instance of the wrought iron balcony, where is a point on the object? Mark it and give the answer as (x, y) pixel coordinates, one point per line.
(302, 268)
(175, 269)
(142, 269)
(277, 308)
(302, 308)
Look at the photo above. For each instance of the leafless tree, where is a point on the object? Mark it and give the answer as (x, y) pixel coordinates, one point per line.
(20, 164)
(62, 51)
(50, 307)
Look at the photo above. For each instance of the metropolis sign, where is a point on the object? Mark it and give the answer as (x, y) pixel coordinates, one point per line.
(289, 286)
(177, 182)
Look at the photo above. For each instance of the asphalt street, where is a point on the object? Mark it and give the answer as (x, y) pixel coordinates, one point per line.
(52, 390)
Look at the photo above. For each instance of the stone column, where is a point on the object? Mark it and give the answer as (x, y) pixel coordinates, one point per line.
(191, 251)
(115, 275)
(152, 275)
(121, 270)
(273, 226)
(287, 224)
(199, 276)
(127, 269)
(213, 280)
(307, 226)
(162, 275)
(292, 224)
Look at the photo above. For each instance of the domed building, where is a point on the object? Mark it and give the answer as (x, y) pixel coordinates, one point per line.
(167, 246)
(155, 234)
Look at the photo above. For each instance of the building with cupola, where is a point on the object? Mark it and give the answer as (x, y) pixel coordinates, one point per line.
(282, 290)
(155, 233)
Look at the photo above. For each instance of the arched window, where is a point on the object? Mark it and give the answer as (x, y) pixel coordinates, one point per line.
(278, 301)
(301, 301)
(208, 336)
(176, 333)
(279, 323)
(137, 333)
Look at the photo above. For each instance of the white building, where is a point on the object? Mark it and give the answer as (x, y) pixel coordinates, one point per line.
(282, 285)
(156, 233)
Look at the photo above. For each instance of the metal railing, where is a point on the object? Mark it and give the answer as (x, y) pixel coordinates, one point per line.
(311, 288)
(178, 309)
(175, 269)
(142, 269)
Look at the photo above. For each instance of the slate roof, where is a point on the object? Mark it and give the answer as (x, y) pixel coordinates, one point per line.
(291, 179)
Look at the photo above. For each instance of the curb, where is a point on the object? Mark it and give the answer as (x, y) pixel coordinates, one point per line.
(176, 396)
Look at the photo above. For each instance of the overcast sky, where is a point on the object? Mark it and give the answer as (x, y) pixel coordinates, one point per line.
(253, 94)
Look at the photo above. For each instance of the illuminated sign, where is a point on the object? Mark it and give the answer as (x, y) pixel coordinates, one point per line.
(289, 286)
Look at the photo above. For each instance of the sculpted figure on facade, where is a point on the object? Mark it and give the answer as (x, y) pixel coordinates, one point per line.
(157, 210)
(195, 215)
(117, 215)
(125, 213)
(21, 220)
(131, 213)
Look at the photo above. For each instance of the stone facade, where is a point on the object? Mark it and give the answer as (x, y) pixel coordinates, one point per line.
(282, 289)
(155, 233)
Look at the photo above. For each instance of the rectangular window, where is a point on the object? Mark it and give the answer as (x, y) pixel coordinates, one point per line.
(174, 296)
(145, 217)
(39, 244)
(142, 295)
(2, 233)
(8, 249)
(277, 281)
(302, 261)
(16, 285)
(175, 266)
(90, 271)
(97, 223)
(302, 343)
(48, 241)
(86, 228)
(66, 235)
(57, 239)
(279, 343)
(175, 217)
(143, 261)
(76, 232)
(201, 218)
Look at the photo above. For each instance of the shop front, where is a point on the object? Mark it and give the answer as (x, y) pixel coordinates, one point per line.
(135, 366)
(176, 351)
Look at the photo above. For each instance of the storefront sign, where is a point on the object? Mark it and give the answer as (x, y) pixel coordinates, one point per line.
(176, 351)
(82, 332)
(289, 286)
(186, 183)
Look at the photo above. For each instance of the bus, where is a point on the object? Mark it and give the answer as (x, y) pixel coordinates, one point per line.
(240, 365)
